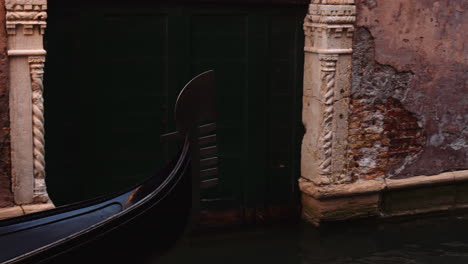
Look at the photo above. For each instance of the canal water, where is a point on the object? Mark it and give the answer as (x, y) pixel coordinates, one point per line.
(442, 239)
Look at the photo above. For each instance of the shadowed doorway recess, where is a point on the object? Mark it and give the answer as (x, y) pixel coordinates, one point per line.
(113, 72)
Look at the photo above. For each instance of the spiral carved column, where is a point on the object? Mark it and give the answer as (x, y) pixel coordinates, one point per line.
(36, 64)
(328, 67)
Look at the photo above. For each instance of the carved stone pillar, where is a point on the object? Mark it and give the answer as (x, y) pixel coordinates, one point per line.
(26, 22)
(328, 29)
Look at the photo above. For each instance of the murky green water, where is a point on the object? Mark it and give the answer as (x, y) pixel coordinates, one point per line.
(429, 240)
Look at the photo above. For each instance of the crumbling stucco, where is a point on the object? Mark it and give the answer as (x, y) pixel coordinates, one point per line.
(420, 63)
(384, 137)
(373, 81)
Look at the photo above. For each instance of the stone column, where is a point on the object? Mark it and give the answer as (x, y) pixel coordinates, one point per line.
(26, 22)
(328, 29)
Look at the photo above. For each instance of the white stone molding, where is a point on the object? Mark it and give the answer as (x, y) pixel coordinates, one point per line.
(333, 2)
(328, 29)
(26, 22)
(38, 52)
(328, 51)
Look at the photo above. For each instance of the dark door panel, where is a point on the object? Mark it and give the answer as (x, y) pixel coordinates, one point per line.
(113, 74)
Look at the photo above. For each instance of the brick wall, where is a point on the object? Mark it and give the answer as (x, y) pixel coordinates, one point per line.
(6, 196)
(383, 137)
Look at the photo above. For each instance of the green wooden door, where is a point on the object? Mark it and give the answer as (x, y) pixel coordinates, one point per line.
(113, 74)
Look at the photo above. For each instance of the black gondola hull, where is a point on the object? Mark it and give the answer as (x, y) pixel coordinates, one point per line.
(128, 227)
(151, 223)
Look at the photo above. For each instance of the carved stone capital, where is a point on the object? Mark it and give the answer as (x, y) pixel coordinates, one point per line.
(328, 62)
(36, 64)
(332, 14)
(29, 13)
(36, 59)
(329, 28)
(26, 4)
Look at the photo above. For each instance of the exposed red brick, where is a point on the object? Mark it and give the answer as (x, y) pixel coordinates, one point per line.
(375, 155)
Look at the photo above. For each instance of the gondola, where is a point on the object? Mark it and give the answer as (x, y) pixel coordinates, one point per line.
(130, 226)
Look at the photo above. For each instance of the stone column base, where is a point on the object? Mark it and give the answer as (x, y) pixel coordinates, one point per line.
(20, 210)
(384, 198)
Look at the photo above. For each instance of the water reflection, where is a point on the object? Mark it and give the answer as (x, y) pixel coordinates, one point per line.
(430, 240)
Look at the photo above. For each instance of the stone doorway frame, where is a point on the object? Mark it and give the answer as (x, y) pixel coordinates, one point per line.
(328, 28)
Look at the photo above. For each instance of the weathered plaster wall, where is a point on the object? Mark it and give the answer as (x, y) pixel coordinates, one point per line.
(6, 196)
(409, 107)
